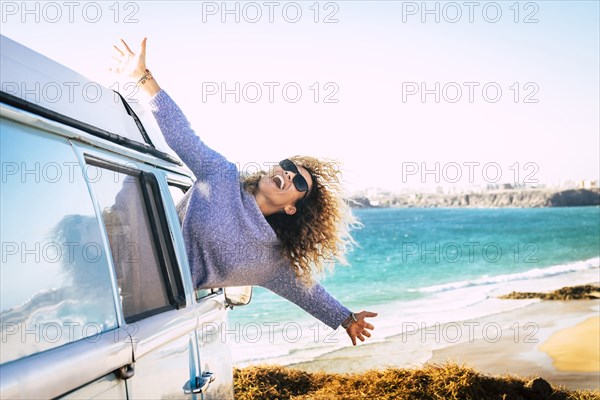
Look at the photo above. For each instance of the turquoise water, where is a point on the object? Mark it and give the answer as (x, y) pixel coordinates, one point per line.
(411, 254)
(398, 253)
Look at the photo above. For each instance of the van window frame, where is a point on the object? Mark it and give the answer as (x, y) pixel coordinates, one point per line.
(162, 241)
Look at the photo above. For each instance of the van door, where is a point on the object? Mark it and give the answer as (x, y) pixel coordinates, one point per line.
(214, 355)
(149, 278)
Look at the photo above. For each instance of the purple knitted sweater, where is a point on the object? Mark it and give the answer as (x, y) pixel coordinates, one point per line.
(228, 240)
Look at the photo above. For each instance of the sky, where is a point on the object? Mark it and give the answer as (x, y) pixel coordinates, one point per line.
(401, 94)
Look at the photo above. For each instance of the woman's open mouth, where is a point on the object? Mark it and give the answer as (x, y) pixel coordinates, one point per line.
(278, 180)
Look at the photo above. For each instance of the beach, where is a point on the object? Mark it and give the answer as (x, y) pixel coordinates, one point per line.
(437, 279)
(548, 349)
(526, 342)
(557, 361)
(553, 339)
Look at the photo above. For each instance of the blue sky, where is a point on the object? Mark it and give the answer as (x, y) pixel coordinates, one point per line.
(367, 57)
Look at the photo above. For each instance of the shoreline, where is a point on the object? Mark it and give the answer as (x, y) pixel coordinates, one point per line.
(525, 357)
(504, 343)
(470, 300)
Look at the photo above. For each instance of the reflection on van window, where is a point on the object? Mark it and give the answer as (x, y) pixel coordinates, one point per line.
(55, 284)
(139, 274)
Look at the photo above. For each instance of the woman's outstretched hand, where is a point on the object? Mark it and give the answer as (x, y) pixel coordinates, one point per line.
(359, 328)
(132, 65)
(128, 63)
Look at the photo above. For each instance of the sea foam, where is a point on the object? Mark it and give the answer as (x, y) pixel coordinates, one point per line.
(534, 273)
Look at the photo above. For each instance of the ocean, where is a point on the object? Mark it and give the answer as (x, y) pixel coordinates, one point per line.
(420, 267)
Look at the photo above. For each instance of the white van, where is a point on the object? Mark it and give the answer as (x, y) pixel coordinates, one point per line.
(96, 297)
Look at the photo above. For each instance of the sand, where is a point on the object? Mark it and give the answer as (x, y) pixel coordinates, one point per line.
(576, 348)
(525, 357)
(506, 343)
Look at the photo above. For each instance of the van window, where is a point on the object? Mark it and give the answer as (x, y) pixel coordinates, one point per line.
(55, 283)
(140, 245)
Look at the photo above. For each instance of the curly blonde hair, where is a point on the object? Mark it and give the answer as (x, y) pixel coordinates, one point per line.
(318, 234)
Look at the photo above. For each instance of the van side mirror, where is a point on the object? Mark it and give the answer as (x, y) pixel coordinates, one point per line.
(236, 296)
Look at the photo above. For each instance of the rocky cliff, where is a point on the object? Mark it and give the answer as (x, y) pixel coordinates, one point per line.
(497, 198)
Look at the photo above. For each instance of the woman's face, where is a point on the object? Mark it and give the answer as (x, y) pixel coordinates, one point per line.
(278, 187)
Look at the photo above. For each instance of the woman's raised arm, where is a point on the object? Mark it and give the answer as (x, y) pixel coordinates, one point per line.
(204, 162)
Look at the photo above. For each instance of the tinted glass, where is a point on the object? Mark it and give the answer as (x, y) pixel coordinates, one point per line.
(55, 283)
(126, 213)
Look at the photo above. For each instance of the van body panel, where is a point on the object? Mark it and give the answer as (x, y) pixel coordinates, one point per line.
(108, 387)
(215, 354)
(164, 348)
(55, 372)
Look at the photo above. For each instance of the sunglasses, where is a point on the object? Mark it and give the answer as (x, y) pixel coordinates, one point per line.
(298, 181)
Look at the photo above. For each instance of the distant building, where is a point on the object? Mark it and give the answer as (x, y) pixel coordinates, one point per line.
(587, 184)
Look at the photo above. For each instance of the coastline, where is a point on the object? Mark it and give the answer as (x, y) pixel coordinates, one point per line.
(468, 300)
(504, 343)
(499, 198)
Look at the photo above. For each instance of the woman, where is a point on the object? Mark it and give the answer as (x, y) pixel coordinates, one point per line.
(274, 230)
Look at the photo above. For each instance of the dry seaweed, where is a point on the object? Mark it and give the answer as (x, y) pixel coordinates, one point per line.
(582, 292)
(432, 382)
